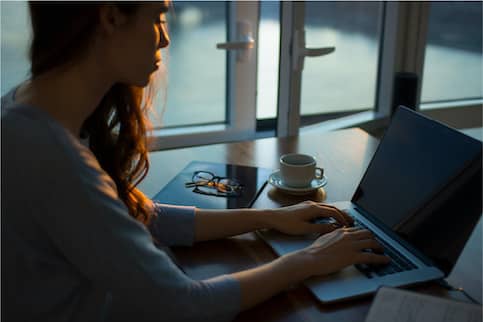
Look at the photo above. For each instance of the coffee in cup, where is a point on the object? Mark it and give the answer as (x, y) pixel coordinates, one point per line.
(298, 170)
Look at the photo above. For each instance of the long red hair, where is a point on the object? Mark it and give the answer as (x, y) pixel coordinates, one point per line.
(117, 129)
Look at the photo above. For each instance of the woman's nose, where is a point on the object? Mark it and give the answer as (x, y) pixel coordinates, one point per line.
(164, 37)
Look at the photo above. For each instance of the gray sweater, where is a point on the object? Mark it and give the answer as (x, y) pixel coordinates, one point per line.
(70, 250)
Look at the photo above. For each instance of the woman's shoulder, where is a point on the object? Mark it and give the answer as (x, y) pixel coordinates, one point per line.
(15, 115)
(27, 130)
(29, 133)
(26, 124)
(47, 155)
(8, 98)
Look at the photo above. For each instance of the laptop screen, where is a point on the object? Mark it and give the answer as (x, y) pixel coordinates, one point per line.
(420, 168)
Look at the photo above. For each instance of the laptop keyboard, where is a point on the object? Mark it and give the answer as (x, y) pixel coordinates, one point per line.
(398, 262)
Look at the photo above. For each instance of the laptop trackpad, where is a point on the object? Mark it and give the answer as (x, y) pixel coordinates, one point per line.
(283, 244)
(347, 283)
(348, 273)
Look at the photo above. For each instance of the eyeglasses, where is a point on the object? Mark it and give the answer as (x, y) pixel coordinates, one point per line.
(207, 183)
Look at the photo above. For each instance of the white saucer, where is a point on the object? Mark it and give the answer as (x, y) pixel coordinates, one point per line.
(277, 182)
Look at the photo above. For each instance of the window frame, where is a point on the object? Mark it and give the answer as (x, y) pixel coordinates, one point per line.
(402, 48)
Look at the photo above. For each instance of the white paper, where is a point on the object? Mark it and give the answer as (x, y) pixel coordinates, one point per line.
(397, 305)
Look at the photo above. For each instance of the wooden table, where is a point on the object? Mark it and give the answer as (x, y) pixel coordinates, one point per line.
(344, 155)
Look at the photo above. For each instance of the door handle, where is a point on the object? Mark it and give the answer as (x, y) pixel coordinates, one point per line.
(299, 51)
(237, 45)
(314, 52)
(244, 43)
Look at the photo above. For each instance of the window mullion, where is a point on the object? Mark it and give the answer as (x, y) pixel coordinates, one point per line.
(292, 19)
(412, 33)
(403, 47)
(285, 69)
(243, 73)
(387, 58)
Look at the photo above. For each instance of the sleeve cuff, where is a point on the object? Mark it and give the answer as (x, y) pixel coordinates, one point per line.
(173, 225)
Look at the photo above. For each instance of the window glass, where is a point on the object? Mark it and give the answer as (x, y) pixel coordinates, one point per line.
(15, 37)
(453, 56)
(196, 69)
(268, 59)
(344, 80)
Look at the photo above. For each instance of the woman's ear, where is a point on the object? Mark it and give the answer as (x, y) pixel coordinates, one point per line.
(110, 18)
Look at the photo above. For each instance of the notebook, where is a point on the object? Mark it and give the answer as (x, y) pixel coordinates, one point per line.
(253, 180)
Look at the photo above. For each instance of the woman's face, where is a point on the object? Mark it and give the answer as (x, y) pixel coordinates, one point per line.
(137, 50)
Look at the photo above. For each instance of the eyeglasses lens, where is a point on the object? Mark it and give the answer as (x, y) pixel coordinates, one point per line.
(201, 177)
(208, 183)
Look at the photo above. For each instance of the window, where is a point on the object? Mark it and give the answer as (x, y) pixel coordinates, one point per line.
(338, 83)
(344, 80)
(15, 35)
(214, 96)
(236, 120)
(195, 66)
(453, 59)
(211, 93)
(196, 69)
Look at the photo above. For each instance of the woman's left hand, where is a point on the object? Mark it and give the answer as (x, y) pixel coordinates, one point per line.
(299, 219)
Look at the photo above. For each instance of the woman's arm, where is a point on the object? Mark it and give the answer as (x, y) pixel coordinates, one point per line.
(215, 224)
(297, 219)
(328, 254)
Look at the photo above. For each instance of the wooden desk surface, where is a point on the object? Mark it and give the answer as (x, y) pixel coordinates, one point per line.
(344, 154)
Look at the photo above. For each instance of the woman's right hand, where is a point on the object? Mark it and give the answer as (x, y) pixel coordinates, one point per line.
(341, 248)
(329, 253)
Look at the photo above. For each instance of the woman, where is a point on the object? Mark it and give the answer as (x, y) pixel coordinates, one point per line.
(77, 234)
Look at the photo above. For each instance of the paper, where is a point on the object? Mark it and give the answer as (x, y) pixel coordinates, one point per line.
(397, 305)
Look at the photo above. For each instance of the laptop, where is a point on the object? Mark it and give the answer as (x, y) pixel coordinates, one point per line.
(420, 196)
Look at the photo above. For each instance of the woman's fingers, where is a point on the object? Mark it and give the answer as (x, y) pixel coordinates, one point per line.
(368, 244)
(359, 234)
(342, 218)
(336, 214)
(351, 229)
(321, 228)
(348, 220)
(328, 211)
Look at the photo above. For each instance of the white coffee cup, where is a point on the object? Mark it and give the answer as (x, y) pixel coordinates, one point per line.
(298, 170)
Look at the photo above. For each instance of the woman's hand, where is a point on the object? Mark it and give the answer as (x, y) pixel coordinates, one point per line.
(341, 248)
(330, 253)
(299, 219)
